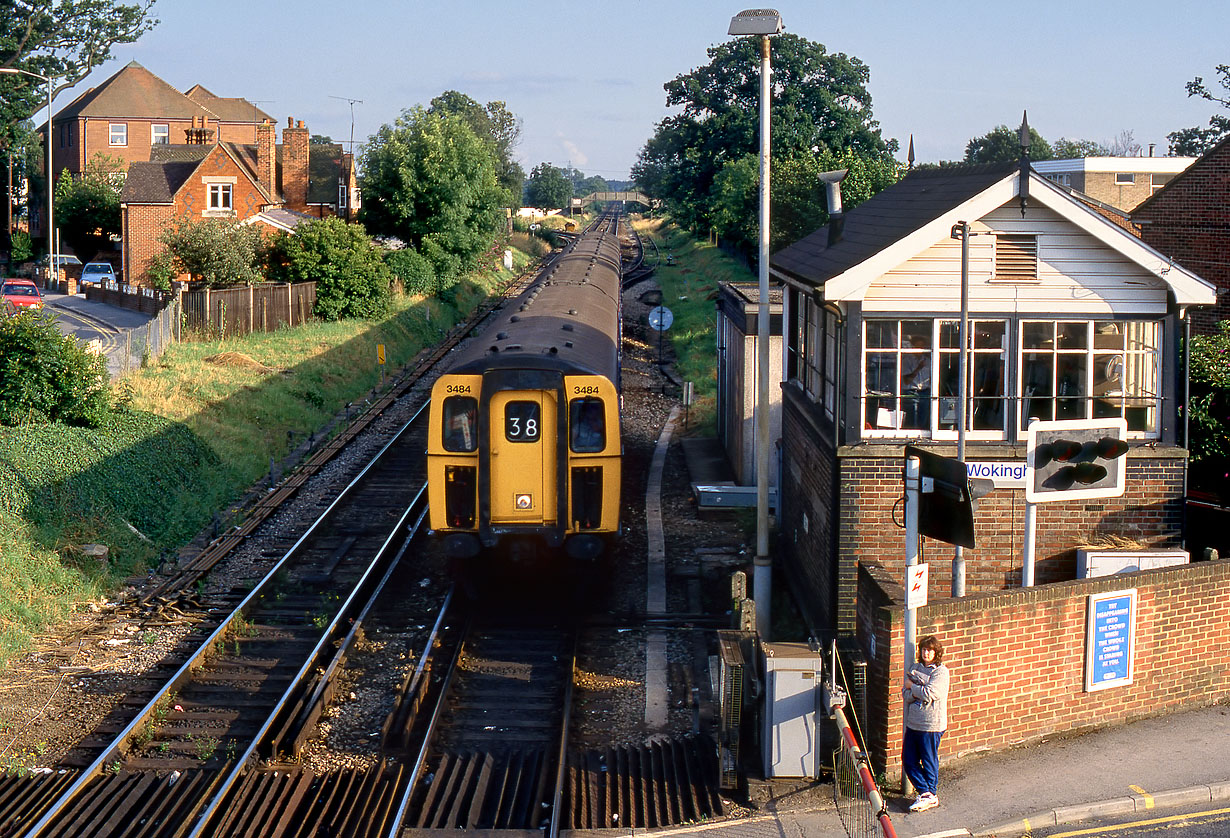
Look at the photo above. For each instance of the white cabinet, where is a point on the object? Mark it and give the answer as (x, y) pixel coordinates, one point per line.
(791, 717)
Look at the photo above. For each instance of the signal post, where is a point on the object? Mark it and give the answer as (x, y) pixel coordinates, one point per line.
(1073, 459)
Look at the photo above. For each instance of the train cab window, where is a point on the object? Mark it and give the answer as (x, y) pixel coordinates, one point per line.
(522, 421)
(587, 426)
(461, 424)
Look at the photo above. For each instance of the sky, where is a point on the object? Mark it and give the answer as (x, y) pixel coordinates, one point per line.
(586, 78)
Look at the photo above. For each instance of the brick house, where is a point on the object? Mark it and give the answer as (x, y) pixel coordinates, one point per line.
(276, 186)
(1189, 219)
(1120, 182)
(134, 111)
(1071, 316)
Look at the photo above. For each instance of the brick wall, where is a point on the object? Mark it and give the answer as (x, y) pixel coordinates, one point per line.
(868, 509)
(1017, 657)
(295, 166)
(1190, 221)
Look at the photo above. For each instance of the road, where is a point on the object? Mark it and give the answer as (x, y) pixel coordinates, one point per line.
(87, 329)
(1203, 821)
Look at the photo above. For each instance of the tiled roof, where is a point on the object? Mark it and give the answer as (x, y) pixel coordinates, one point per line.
(889, 216)
(156, 183)
(132, 92)
(228, 109)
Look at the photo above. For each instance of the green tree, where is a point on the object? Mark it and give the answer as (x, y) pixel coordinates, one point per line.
(1209, 445)
(820, 104)
(495, 124)
(88, 207)
(1003, 145)
(47, 376)
(1193, 142)
(548, 188)
(431, 182)
(1065, 149)
(217, 252)
(799, 204)
(351, 277)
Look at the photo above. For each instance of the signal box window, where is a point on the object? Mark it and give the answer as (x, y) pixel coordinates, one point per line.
(587, 426)
(461, 424)
(522, 421)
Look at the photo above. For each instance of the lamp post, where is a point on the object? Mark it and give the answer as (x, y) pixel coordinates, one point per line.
(762, 23)
(51, 227)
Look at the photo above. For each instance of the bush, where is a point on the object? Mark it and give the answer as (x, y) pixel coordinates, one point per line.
(415, 272)
(46, 376)
(1209, 445)
(216, 252)
(352, 279)
(22, 248)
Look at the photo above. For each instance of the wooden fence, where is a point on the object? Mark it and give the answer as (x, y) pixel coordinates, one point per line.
(254, 308)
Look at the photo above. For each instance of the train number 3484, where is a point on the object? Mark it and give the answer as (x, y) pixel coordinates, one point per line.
(458, 388)
(585, 390)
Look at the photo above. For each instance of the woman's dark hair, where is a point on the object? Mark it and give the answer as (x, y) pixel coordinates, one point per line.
(933, 643)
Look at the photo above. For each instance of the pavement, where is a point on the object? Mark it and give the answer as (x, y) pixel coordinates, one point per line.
(1147, 766)
(121, 332)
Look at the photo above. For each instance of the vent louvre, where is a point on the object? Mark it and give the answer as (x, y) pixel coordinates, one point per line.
(1016, 257)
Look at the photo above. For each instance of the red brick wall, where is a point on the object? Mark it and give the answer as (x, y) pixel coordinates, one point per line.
(1190, 220)
(143, 223)
(1017, 657)
(295, 167)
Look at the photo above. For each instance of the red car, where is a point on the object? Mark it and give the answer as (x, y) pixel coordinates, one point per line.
(22, 293)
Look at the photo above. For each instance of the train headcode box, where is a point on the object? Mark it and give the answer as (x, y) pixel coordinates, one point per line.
(1110, 639)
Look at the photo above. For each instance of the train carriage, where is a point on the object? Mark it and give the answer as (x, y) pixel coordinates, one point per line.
(524, 437)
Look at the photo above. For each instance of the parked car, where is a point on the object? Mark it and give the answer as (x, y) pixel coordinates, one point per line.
(95, 273)
(22, 293)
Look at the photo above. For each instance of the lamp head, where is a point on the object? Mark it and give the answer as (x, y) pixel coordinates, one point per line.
(756, 22)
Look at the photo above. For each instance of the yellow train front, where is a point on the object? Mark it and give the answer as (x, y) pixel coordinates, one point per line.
(524, 438)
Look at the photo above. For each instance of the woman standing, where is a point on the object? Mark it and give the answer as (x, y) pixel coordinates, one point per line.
(926, 718)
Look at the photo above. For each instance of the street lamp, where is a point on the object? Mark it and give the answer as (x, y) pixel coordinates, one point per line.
(51, 227)
(762, 22)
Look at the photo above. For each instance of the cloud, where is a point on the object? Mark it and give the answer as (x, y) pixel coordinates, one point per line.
(578, 157)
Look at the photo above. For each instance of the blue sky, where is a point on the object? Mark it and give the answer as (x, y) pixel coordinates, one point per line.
(586, 78)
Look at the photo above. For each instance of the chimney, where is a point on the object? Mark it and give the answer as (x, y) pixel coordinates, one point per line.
(265, 156)
(832, 187)
(295, 165)
(1151, 148)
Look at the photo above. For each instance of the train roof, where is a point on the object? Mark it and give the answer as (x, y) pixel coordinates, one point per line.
(567, 320)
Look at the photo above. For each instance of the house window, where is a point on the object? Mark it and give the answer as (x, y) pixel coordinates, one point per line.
(1156, 182)
(987, 411)
(119, 133)
(1091, 370)
(65, 135)
(1125, 178)
(341, 196)
(897, 372)
(220, 197)
(817, 339)
(160, 134)
(1016, 257)
(1063, 179)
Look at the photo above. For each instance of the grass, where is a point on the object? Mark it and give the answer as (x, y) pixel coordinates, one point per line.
(200, 426)
(689, 287)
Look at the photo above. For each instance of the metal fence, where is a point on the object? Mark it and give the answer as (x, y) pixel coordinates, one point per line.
(227, 312)
(857, 798)
(138, 346)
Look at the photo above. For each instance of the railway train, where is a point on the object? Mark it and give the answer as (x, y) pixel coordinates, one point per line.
(524, 447)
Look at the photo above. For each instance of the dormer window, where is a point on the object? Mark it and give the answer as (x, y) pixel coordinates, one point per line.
(1016, 257)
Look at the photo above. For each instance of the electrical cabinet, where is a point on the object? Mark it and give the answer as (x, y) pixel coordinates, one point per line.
(792, 710)
(1109, 562)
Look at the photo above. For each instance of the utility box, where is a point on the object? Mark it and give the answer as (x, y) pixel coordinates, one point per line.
(1091, 563)
(792, 710)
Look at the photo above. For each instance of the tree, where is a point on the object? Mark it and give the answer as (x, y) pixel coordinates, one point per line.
(1003, 144)
(431, 181)
(47, 376)
(548, 188)
(1065, 149)
(88, 207)
(1193, 142)
(351, 277)
(63, 39)
(217, 252)
(493, 123)
(320, 139)
(1124, 145)
(820, 102)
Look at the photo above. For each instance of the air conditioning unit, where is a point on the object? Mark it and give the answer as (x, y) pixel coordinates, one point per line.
(1091, 563)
